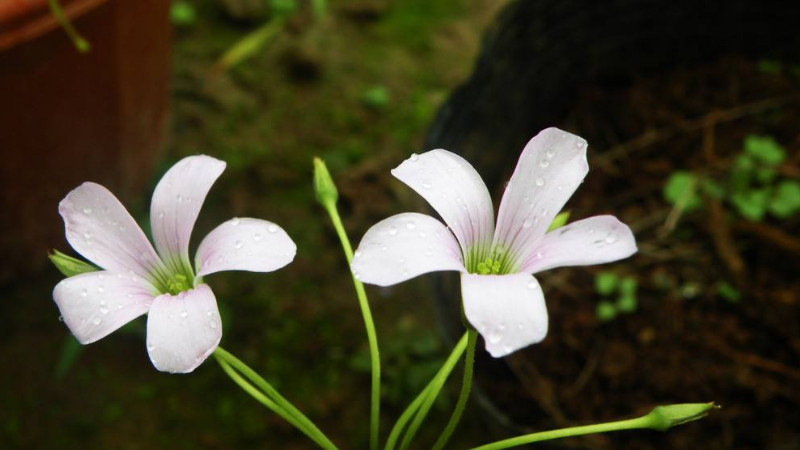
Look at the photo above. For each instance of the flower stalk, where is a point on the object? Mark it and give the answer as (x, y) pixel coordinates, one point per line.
(327, 195)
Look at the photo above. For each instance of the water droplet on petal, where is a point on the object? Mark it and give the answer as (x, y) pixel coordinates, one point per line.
(527, 223)
(611, 238)
(384, 248)
(393, 230)
(87, 235)
(539, 255)
(357, 254)
(184, 314)
(550, 153)
(96, 321)
(520, 326)
(161, 215)
(60, 318)
(272, 228)
(257, 237)
(235, 221)
(212, 324)
(87, 210)
(426, 184)
(84, 292)
(179, 197)
(151, 347)
(544, 163)
(238, 244)
(539, 182)
(104, 310)
(533, 285)
(414, 157)
(579, 144)
(101, 289)
(411, 225)
(402, 260)
(209, 313)
(495, 337)
(356, 275)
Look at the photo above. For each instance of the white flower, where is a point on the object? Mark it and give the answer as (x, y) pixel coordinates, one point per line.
(183, 323)
(502, 299)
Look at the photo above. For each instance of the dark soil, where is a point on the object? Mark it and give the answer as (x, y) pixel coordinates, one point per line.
(685, 342)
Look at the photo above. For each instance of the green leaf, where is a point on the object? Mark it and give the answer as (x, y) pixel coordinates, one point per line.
(765, 175)
(728, 292)
(559, 221)
(627, 303)
(681, 187)
(606, 311)
(376, 97)
(250, 44)
(752, 204)
(764, 149)
(628, 286)
(786, 199)
(182, 13)
(605, 283)
(70, 266)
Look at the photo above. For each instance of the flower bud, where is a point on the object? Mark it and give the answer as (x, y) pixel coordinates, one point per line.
(324, 188)
(70, 266)
(664, 417)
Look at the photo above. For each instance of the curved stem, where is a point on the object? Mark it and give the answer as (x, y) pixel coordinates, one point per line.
(432, 390)
(375, 363)
(629, 424)
(466, 386)
(298, 419)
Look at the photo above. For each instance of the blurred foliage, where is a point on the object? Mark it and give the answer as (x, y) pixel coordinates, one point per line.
(609, 285)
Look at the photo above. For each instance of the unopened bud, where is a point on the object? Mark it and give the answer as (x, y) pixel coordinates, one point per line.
(324, 188)
(70, 266)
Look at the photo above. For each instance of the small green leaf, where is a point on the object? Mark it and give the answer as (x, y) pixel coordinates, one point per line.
(764, 149)
(680, 187)
(627, 303)
(786, 199)
(752, 204)
(765, 175)
(70, 266)
(182, 13)
(559, 221)
(628, 286)
(605, 283)
(376, 97)
(728, 292)
(606, 311)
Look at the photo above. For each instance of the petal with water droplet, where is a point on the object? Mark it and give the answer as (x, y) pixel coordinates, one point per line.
(101, 229)
(507, 310)
(253, 245)
(176, 203)
(455, 190)
(390, 252)
(540, 191)
(178, 342)
(596, 240)
(84, 300)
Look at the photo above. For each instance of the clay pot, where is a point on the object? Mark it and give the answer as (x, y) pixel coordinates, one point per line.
(67, 117)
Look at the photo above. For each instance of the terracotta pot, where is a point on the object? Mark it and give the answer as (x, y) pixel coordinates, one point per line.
(67, 117)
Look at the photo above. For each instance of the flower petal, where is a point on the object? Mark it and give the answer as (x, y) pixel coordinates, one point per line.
(176, 203)
(507, 310)
(183, 329)
(95, 304)
(456, 191)
(596, 240)
(101, 229)
(551, 167)
(244, 244)
(404, 246)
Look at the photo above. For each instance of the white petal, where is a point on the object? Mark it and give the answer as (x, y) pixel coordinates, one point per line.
(456, 191)
(404, 246)
(245, 244)
(101, 229)
(551, 167)
(507, 310)
(176, 203)
(596, 240)
(183, 329)
(95, 304)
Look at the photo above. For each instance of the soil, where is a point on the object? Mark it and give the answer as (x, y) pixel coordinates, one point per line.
(685, 342)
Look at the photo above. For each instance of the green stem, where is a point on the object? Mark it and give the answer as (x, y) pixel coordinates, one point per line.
(81, 44)
(466, 386)
(375, 403)
(432, 391)
(260, 397)
(296, 418)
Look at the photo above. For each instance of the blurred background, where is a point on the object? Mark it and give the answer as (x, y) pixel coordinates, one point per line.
(691, 113)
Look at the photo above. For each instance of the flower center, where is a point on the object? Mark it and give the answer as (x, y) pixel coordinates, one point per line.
(497, 263)
(178, 283)
(489, 266)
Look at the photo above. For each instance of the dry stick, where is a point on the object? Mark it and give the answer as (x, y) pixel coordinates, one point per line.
(754, 360)
(771, 234)
(648, 138)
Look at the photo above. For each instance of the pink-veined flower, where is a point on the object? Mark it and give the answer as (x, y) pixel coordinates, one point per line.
(501, 298)
(183, 322)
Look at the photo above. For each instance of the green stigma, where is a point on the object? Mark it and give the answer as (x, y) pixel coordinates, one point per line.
(489, 266)
(178, 283)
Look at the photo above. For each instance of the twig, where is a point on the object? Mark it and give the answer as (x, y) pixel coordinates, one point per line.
(771, 234)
